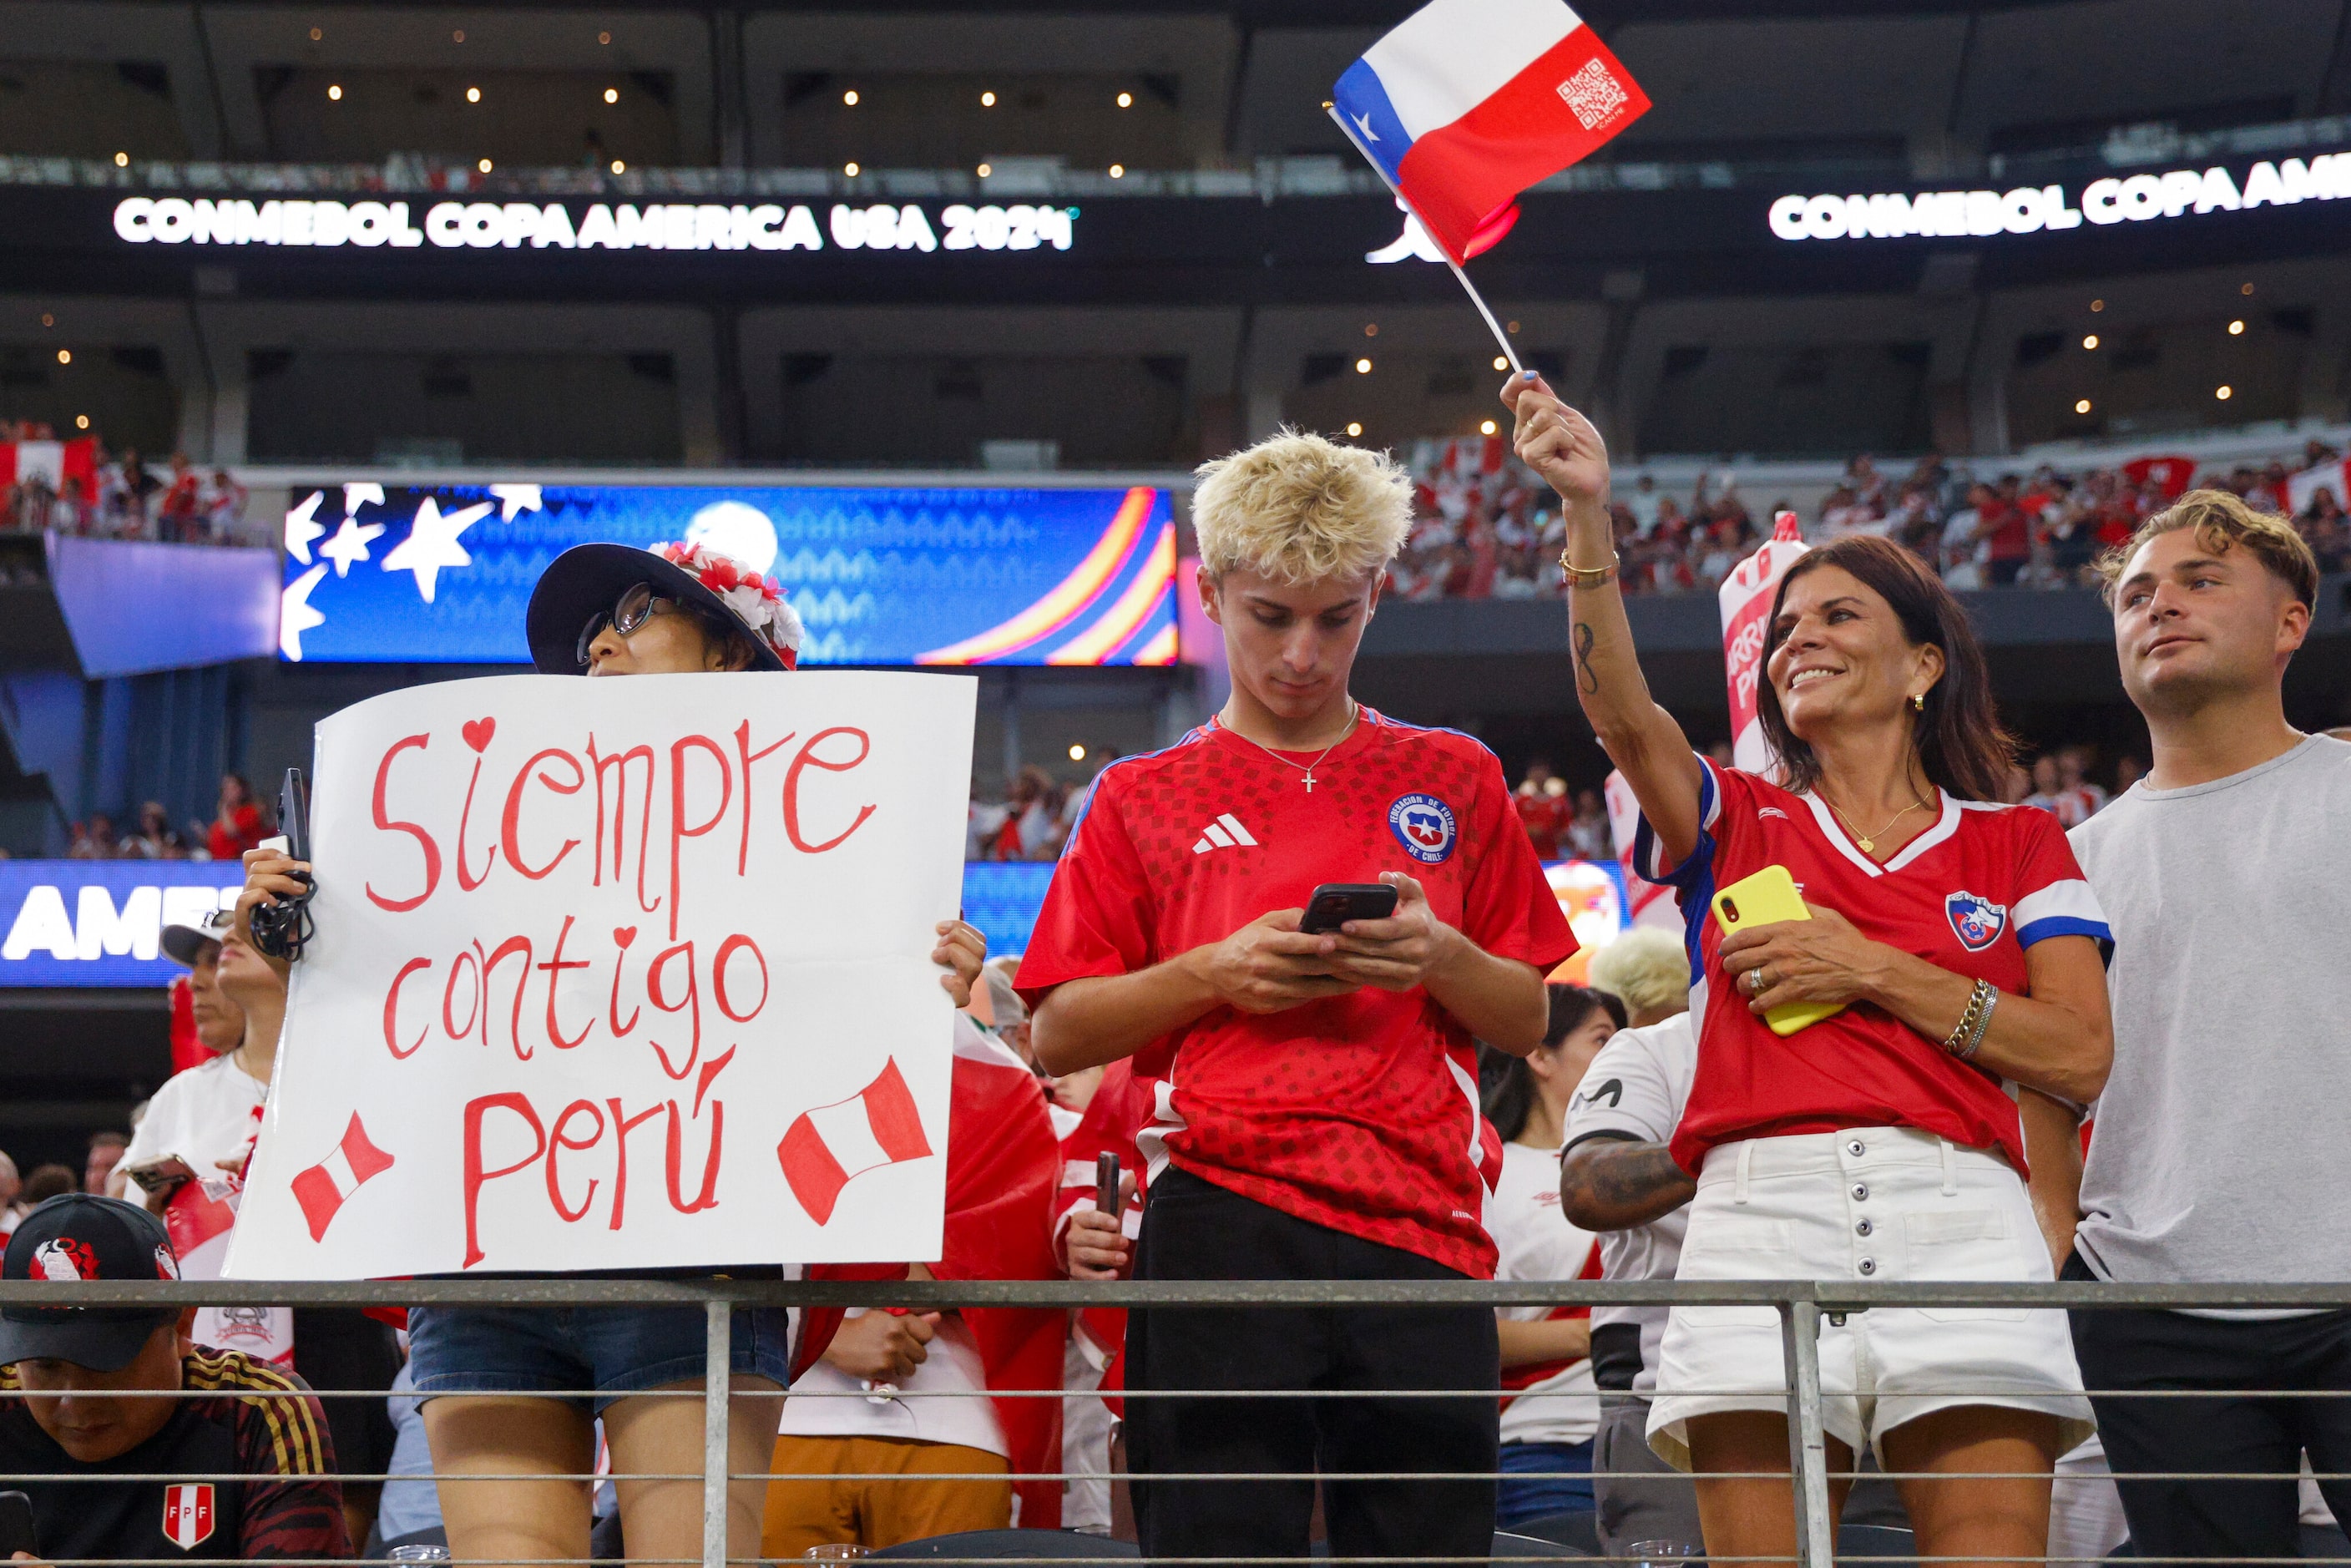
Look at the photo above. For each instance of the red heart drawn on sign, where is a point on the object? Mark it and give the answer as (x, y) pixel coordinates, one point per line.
(478, 732)
(624, 934)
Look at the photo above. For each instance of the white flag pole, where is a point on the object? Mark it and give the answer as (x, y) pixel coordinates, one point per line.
(1509, 352)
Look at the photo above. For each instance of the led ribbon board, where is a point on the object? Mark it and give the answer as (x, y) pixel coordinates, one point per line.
(443, 574)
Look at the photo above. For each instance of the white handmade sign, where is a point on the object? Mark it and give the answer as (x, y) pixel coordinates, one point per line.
(619, 974)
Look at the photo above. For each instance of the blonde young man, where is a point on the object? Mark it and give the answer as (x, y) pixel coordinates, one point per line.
(1315, 1093)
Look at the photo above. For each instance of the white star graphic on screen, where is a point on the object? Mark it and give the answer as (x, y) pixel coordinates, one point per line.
(513, 498)
(295, 615)
(432, 544)
(299, 528)
(359, 491)
(349, 544)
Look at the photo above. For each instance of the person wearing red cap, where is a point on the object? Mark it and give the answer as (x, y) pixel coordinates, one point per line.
(490, 1375)
(95, 1416)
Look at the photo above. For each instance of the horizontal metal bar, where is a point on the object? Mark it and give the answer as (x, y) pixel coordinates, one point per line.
(1829, 1295)
(94, 1476)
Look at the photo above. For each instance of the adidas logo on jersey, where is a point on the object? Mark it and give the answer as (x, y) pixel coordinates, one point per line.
(1225, 834)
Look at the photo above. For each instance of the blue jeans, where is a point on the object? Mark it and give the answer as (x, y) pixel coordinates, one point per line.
(615, 1350)
(1542, 1479)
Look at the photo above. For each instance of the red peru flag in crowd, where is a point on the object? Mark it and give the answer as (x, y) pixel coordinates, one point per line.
(51, 462)
(1002, 1164)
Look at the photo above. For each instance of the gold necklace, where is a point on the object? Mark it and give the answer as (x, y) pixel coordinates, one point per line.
(1868, 842)
(1355, 711)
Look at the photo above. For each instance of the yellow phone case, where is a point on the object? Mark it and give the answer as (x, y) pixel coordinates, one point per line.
(1768, 896)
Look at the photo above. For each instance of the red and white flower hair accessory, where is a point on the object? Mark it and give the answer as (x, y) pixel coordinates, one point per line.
(757, 602)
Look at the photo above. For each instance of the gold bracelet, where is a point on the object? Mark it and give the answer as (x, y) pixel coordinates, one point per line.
(1587, 575)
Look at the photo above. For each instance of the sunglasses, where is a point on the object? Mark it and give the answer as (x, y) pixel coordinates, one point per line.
(636, 605)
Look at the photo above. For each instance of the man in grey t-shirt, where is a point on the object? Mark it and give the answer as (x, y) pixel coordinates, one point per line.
(2221, 1151)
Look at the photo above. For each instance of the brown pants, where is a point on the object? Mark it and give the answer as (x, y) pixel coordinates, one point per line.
(868, 1504)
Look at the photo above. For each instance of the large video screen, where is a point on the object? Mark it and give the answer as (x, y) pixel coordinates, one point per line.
(881, 576)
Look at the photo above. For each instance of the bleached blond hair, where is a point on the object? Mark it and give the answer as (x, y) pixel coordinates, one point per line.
(1646, 967)
(1298, 508)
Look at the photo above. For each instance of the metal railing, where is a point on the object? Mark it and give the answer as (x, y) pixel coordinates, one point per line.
(1802, 1305)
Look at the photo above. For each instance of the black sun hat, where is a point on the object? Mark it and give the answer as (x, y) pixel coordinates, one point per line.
(587, 580)
(76, 1236)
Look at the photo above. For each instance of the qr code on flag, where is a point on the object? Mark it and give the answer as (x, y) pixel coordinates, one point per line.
(1595, 94)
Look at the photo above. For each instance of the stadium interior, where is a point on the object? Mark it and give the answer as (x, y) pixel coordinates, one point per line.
(1083, 248)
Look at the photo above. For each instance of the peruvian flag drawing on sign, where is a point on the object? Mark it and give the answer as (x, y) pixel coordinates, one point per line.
(51, 462)
(1471, 102)
(188, 1517)
(823, 1149)
(325, 1187)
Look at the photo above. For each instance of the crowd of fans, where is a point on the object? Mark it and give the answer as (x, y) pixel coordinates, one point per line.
(240, 821)
(1485, 528)
(118, 495)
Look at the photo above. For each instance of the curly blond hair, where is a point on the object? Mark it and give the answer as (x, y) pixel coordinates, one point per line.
(1647, 968)
(2220, 520)
(1298, 508)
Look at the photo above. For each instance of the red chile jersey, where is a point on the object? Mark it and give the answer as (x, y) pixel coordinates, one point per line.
(1969, 894)
(1358, 1113)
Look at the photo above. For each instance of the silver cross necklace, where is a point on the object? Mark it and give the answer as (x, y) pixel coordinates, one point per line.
(1354, 712)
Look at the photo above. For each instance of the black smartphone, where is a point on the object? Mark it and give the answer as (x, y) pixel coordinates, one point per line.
(294, 815)
(16, 1531)
(1335, 903)
(1107, 1183)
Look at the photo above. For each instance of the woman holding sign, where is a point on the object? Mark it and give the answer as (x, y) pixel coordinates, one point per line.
(610, 610)
(1878, 949)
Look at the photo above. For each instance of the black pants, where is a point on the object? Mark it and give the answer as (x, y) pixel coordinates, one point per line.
(2126, 1349)
(1193, 1229)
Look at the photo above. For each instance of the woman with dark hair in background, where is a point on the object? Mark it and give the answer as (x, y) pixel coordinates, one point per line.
(1950, 946)
(1551, 1409)
(238, 825)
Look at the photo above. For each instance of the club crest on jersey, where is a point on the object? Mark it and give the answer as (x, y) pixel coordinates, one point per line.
(188, 1517)
(1976, 920)
(1423, 824)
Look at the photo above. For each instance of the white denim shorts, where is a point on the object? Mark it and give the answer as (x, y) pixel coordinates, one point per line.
(1869, 1203)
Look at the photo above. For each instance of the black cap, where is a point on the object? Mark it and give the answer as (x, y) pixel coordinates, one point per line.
(588, 578)
(76, 1236)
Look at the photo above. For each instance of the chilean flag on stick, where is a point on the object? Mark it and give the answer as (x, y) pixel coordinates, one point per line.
(1471, 102)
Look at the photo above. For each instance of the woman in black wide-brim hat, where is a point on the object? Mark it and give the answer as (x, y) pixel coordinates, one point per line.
(611, 610)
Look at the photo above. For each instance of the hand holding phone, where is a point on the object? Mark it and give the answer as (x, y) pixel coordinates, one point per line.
(1333, 905)
(16, 1530)
(1767, 897)
(161, 1175)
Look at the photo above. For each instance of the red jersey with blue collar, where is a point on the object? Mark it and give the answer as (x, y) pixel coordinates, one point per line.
(1358, 1113)
(1969, 894)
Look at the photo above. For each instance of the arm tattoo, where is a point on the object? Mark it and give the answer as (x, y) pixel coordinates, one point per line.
(1614, 1184)
(1584, 677)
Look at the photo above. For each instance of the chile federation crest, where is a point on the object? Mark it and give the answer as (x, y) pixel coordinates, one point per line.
(1424, 825)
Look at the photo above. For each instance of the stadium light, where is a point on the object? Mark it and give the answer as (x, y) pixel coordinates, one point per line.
(1077, 751)
(473, 95)
(2247, 288)
(612, 95)
(2090, 340)
(1362, 367)
(2236, 328)
(335, 92)
(1354, 429)
(2083, 406)
(619, 167)
(849, 169)
(122, 160)
(65, 356)
(2096, 305)
(1501, 363)
(457, 37)
(604, 37)
(985, 171)
(484, 166)
(849, 98)
(1118, 171)
(1371, 328)
(1485, 427)
(315, 35)
(81, 422)
(1127, 100)
(987, 100)
(2224, 393)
